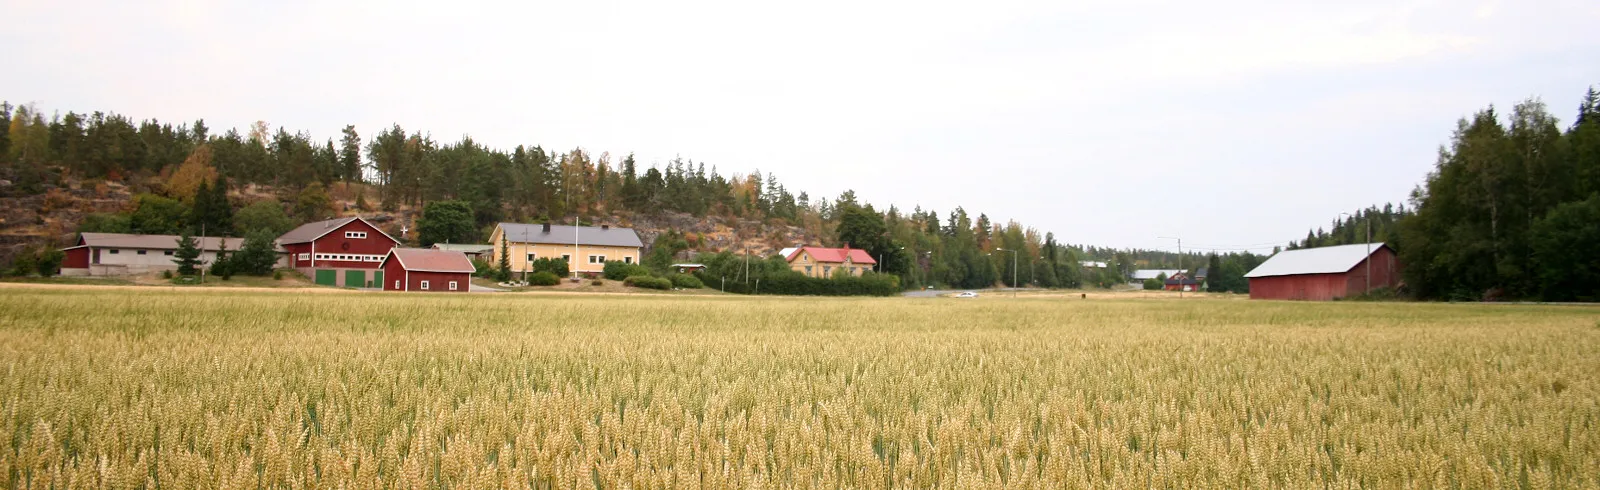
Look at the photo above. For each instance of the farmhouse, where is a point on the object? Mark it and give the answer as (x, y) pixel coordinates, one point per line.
(473, 251)
(1181, 281)
(338, 252)
(422, 269)
(115, 254)
(824, 262)
(593, 246)
(1324, 273)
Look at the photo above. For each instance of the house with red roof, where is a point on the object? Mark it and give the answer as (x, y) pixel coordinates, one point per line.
(424, 269)
(825, 262)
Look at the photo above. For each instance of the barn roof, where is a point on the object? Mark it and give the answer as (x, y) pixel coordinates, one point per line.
(430, 260)
(1143, 274)
(155, 242)
(312, 231)
(1320, 260)
(567, 234)
(470, 248)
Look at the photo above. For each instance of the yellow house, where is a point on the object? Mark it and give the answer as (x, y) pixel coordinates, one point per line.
(585, 248)
(825, 262)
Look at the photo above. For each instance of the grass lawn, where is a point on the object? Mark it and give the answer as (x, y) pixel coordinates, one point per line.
(211, 387)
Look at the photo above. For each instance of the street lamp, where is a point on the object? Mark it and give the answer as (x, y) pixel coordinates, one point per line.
(1368, 258)
(1180, 260)
(1013, 270)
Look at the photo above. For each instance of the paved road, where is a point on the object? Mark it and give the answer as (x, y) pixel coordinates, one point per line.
(926, 293)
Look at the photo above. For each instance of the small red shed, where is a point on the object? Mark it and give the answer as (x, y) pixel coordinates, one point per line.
(1324, 273)
(422, 269)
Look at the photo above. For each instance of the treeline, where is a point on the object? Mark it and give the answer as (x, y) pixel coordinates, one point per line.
(527, 183)
(1383, 224)
(1511, 210)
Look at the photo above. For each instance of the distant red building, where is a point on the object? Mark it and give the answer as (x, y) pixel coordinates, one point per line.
(421, 269)
(1324, 273)
(1181, 282)
(338, 252)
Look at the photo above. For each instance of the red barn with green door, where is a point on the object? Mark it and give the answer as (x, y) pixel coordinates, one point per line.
(338, 252)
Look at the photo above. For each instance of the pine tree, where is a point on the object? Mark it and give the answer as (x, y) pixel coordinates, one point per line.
(223, 265)
(187, 256)
(221, 209)
(505, 259)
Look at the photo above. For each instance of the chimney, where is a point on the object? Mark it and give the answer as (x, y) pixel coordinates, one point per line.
(605, 227)
(547, 227)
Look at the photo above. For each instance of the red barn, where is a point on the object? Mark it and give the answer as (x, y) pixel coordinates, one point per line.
(421, 269)
(1181, 282)
(338, 252)
(1324, 273)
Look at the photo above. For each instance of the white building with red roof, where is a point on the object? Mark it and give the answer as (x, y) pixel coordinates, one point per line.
(824, 262)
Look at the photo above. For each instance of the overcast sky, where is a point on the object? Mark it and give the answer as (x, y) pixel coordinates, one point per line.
(1228, 123)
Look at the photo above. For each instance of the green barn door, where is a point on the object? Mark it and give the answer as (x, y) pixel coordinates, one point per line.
(377, 279)
(327, 277)
(355, 279)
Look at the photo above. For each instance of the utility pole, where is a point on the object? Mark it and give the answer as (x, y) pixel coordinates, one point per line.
(1180, 261)
(1368, 258)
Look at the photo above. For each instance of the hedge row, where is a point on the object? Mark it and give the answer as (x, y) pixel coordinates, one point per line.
(648, 282)
(796, 284)
(617, 270)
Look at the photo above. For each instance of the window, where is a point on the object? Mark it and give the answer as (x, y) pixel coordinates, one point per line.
(530, 257)
(305, 256)
(597, 259)
(627, 260)
(141, 252)
(114, 251)
(827, 270)
(396, 284)
(452, 285)
(808, 270)
(567, 258)
(167, 253)
(355, 234)
(424, 285)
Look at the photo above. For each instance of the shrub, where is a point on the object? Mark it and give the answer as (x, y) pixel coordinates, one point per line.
(166, 274)
(648, 282)
(685, 281)
(617, 270)
(556, 267)
(24, 264)
(543, 278)
(1152, 284)
(597, 282)
(480, 268)
(49, 262)
(277, 275)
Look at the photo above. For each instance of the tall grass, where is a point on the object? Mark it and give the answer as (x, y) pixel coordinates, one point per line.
(130, 389)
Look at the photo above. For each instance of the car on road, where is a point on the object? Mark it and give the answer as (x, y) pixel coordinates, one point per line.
(967, 294)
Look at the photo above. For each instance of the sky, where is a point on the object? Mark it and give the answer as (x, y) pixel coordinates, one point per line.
(1233, 124)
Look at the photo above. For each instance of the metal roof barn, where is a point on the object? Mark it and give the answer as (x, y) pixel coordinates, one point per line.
(1324, 273)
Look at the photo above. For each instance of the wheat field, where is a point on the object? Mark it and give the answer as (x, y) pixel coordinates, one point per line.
(150, 388)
